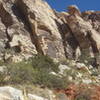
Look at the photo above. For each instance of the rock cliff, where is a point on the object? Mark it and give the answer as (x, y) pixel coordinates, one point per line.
(28, 27)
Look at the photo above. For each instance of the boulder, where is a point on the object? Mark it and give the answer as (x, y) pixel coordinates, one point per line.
(9, 93)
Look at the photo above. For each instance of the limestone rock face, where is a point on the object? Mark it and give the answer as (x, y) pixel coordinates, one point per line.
(14, 36)
(85, 37)
(44, 29)
(28, 27)
(93, 17)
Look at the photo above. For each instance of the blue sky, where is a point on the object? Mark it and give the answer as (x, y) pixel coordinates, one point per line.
(83, 5)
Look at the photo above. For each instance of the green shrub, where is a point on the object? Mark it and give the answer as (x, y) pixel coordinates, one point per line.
(2, 73)
(43, 65)
(41, 62)
(2, 78)
(36, 70)
(48, 80)
(1, 62)
(20, 72)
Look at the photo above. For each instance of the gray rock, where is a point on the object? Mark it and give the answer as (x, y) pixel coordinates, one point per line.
(9, 93)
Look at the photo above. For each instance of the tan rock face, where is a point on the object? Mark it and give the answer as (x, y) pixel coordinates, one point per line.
(94, 19)
(16, 37)
(44, 29)
(29, 27)
(87, 38)
(73, 10)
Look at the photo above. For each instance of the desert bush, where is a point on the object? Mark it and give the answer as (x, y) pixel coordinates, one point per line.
(20, 72)
(2, 78)
(36, 70)
(41, 62)
(48, 80)
(1, 62)
(2, 72)
(43, 65)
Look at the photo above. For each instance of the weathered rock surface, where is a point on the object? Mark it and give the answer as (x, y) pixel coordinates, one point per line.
(14, 36)
(43, 27)
(87, 38)
(29, 27)
(10, 93)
